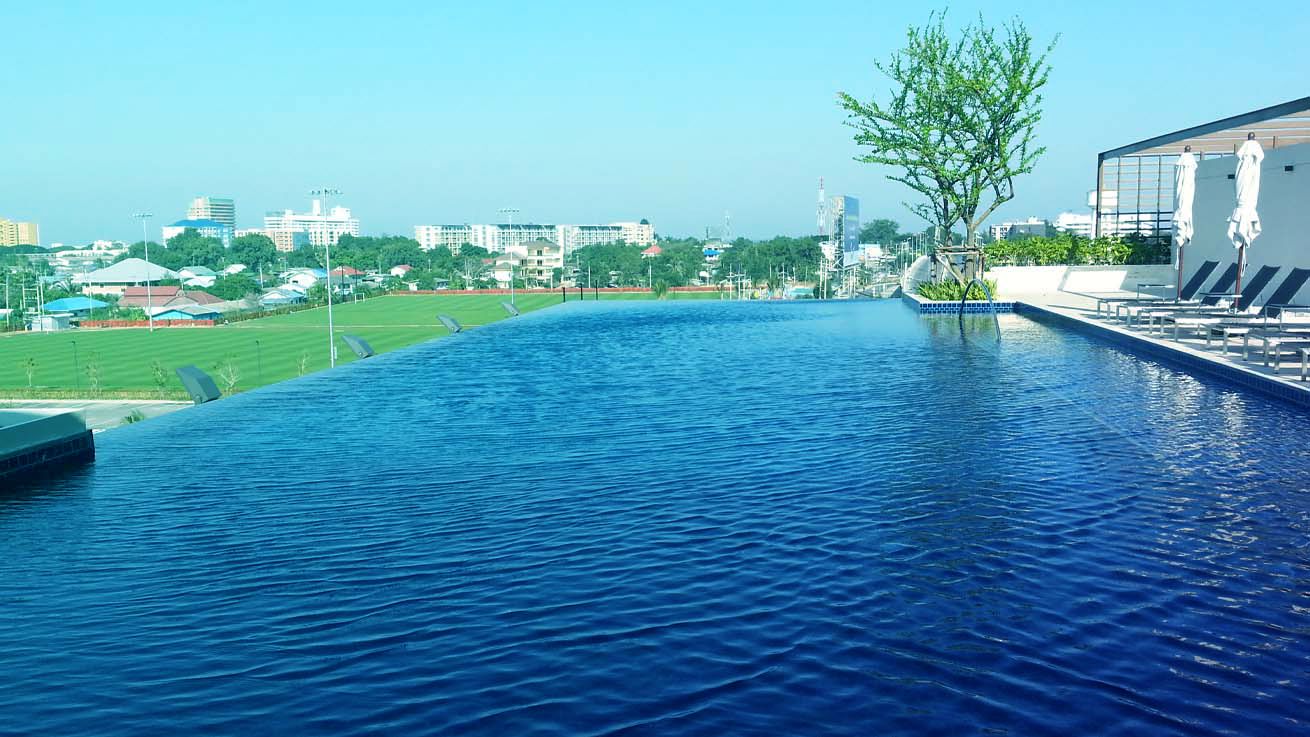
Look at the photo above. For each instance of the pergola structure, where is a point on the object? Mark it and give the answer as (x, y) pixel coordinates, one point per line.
(1135, 183)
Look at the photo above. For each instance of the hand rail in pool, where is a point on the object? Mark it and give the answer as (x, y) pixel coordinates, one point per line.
(969, 287)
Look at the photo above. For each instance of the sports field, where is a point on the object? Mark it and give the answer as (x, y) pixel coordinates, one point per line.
(257, 352)
(260, 351)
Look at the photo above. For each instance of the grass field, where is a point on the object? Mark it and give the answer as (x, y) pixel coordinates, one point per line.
(262, 351)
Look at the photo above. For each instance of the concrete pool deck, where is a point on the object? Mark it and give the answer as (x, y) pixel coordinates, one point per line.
(1078, 311)
(100, 414)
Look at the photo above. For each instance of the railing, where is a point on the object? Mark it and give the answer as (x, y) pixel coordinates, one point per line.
(992, 303)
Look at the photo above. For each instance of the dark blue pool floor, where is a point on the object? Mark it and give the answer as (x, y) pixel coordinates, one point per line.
(680, 519)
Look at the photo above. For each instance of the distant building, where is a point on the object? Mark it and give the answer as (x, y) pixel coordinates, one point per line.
(1078, 223)
(13, 233)
(652, 252)
(208, 228)
(220, 209)
(290, 230)
(116, 279)
(539, 261)
(500, 237)
(1033, 226)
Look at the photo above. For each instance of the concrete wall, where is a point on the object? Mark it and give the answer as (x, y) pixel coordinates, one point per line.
(1017, 281)
(1284, 209)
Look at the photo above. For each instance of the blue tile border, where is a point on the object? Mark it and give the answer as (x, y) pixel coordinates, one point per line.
(1266, 385)
(930, 307)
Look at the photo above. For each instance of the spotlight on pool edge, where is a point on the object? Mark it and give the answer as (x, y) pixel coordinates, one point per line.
(198, 384)
(451, 323)
(510, 309)
(360, 346)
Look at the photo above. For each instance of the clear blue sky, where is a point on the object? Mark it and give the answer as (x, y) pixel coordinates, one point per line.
(590, 111)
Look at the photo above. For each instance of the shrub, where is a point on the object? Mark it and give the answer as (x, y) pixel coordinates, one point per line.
(1067, 249)
(953, 291)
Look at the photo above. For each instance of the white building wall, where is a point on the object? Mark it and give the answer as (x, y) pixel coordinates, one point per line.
(1284, 209)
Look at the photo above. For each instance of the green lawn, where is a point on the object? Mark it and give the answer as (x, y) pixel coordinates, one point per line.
(263, 351)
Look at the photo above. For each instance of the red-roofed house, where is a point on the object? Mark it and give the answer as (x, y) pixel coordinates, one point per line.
(401, 270)
(652, 252)
(346, 271)
(136, 296)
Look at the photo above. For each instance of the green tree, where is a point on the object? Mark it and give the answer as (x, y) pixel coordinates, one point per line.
(252, 250)
(960, 122)
(234, 286)
(880, 230)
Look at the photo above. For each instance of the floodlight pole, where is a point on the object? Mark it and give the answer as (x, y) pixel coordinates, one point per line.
(327, 261)
(145, 243)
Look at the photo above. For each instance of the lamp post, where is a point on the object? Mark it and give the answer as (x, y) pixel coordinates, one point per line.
(327, 261)
(510, 212)
(145, 243)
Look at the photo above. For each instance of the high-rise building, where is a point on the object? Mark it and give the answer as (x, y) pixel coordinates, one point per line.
(499, 237)
(318, 227)
(219, 209)
(13, 233)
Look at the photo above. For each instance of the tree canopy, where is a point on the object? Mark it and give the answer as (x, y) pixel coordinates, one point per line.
(959, 124)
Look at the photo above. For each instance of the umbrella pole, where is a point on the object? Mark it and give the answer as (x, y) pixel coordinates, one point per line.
(1178, 295)
(1241, 266)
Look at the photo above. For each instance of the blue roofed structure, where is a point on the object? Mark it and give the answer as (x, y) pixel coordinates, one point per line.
(75, 305)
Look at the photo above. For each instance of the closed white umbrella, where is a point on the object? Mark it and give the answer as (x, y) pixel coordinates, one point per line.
(1184, 193)
(1244, 223)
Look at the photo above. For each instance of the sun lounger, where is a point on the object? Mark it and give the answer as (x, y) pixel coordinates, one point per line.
(1279, 346)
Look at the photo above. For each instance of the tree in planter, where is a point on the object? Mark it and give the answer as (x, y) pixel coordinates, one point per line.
(959, 125)
(229, 373)
(159, 376)
(29, 367)
(93, 373)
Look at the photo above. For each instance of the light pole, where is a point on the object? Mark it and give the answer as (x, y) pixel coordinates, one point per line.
(510, 212)
(327, 261)
(145, 243)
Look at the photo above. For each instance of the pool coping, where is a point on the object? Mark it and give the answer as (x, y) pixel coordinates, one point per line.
(1289, 390)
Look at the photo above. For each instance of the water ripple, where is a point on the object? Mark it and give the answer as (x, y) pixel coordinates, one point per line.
(680, 519)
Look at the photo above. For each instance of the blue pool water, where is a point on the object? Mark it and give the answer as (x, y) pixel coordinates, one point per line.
(653, 519)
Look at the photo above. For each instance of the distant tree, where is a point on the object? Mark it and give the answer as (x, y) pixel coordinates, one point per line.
(234, 286)
(93, 373)
(190, 248)
(960, 122)
(159, 376)
(252, 250)
(881, 231)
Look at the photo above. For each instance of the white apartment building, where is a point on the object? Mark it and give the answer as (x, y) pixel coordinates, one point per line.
(318, 227)
(1031, 226)
(1078, 223)
(498, 237)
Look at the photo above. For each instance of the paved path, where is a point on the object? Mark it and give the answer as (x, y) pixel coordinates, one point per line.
(100, 414)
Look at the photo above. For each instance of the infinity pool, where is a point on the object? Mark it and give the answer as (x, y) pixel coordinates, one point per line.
(681, 518)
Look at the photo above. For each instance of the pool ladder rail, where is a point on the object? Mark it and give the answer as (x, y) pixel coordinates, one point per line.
(990, 302)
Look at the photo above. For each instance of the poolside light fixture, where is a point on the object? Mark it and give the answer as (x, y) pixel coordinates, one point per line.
(360, 346)
(198, 384)
(510, 309)
(1244, 223)
(451, 323)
